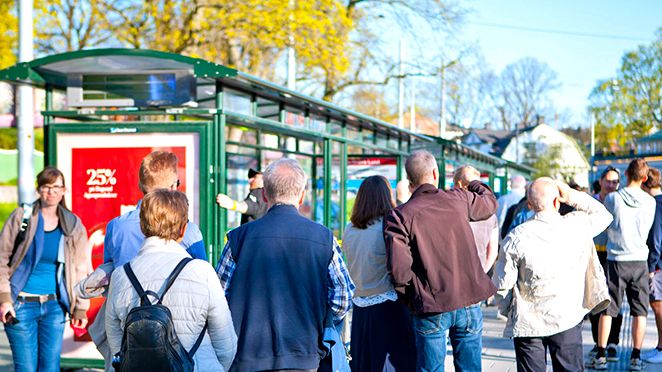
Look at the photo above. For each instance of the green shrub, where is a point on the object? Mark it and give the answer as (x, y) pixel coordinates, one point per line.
(8, 138)
(5, 211)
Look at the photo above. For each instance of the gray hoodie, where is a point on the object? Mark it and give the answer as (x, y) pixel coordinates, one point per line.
(633, 210)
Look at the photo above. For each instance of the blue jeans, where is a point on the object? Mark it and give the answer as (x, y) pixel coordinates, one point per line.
(36, 341)
(464, 326)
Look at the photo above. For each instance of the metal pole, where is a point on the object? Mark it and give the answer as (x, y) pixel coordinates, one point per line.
(412, 109)
(291, 56)
(442, 115)
(25, 105)
(401, 86)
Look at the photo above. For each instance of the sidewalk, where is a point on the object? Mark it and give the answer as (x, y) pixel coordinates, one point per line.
(498, 352)
(499, 355)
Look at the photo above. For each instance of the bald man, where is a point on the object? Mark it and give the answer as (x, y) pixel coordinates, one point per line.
(486, 233)
(541, 276)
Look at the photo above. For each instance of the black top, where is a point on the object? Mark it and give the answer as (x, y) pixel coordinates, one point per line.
(257, 207)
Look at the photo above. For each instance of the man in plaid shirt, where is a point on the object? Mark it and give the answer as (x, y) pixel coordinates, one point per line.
(283, 275)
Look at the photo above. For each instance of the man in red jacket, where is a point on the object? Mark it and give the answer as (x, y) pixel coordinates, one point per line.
(435, 266)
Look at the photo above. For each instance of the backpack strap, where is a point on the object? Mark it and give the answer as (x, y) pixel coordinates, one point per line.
(198, 342)
(23, 230)
(142, 294)
(173, 275)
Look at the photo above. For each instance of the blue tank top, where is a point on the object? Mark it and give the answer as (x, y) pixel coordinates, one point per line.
(43, 279)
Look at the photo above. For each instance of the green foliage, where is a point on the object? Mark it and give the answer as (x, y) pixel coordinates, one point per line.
(629, 106)
(546, 161)
(5, 211)
(8, 138)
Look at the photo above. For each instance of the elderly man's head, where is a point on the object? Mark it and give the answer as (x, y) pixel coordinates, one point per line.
(543, 195)
(284, 182)
(421, 167)
(464, 175)
(517, 182)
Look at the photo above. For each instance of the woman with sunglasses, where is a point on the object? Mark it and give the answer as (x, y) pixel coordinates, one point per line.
(39, 265)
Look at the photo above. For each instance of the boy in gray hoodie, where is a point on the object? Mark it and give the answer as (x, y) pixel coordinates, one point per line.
(627, 271)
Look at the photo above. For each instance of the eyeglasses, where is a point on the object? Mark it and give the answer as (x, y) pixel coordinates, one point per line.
(54, 188)
(176, 184)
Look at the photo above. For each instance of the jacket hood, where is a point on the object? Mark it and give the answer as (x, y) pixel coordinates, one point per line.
(632, 197)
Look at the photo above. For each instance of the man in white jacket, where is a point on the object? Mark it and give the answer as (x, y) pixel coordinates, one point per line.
(541, 276)
(195, 297)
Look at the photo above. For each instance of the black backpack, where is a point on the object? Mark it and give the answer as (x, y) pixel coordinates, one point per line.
(149, 342)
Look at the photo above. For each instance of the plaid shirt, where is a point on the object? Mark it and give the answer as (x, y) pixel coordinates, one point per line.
(341, 287)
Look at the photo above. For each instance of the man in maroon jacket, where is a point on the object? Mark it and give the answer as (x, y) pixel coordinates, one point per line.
(435, 267)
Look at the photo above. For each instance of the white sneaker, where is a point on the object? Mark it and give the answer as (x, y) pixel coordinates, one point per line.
(654, 356)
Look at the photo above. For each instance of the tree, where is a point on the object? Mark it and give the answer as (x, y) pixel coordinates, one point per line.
(629, 106)
(522, 94)
(68, 25)
(8, 34)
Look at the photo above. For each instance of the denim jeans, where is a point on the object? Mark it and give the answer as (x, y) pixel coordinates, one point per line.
(464, 326)
(36, 341)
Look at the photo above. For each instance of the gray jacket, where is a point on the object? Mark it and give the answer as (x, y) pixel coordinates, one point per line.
(634, 211)
(366, 259)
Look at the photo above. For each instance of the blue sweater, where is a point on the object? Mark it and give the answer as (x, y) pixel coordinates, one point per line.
(278, 292)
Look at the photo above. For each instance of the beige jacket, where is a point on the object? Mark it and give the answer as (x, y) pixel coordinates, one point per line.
(547, 276)
(76, 258)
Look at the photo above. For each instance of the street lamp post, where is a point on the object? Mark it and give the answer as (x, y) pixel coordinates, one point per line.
(25, 106)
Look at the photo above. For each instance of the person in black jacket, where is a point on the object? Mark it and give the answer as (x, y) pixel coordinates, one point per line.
(251, 208)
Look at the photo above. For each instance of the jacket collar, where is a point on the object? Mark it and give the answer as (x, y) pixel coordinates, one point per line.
(67, 219)
(425, 188)
(547, 216)
(283, 209)
(154, 244)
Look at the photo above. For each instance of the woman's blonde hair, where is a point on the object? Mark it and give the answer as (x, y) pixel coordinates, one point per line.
(164, 214)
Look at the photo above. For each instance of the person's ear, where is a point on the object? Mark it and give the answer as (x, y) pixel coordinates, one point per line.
(435, 174)
(264, 196)
(182, 232)
(302, 197)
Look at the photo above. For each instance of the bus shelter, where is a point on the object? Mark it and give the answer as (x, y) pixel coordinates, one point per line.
(105, 109)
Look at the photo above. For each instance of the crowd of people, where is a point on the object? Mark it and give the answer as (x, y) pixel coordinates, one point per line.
(415, 270)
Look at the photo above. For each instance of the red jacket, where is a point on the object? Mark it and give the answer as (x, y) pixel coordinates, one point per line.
(431, 249)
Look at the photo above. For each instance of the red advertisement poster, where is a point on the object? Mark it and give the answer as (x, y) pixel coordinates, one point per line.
(103, 184)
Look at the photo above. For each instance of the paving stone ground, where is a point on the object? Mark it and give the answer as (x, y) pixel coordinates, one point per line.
(498, 352)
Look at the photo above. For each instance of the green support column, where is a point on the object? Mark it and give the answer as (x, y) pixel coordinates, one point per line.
(328, 163)
(220, 172)
(442, 168)
(343, 188)
(398, 167)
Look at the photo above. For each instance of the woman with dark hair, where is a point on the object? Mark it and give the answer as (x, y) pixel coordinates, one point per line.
(39, 265)
(382, 336)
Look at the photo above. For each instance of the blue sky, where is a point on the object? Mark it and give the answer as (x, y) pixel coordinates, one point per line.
(579, 61)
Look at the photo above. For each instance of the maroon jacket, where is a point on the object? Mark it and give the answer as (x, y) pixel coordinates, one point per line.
(431, 249)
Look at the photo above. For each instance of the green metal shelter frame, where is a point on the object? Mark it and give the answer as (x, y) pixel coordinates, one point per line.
(237, 116)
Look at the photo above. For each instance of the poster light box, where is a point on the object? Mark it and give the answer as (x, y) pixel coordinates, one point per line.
(126, 89)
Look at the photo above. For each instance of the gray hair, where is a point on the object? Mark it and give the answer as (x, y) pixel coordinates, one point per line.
(466, 174)
(284, 180)
(418, 166)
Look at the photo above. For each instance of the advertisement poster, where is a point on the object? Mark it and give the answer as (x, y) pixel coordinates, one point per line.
(101, 173)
